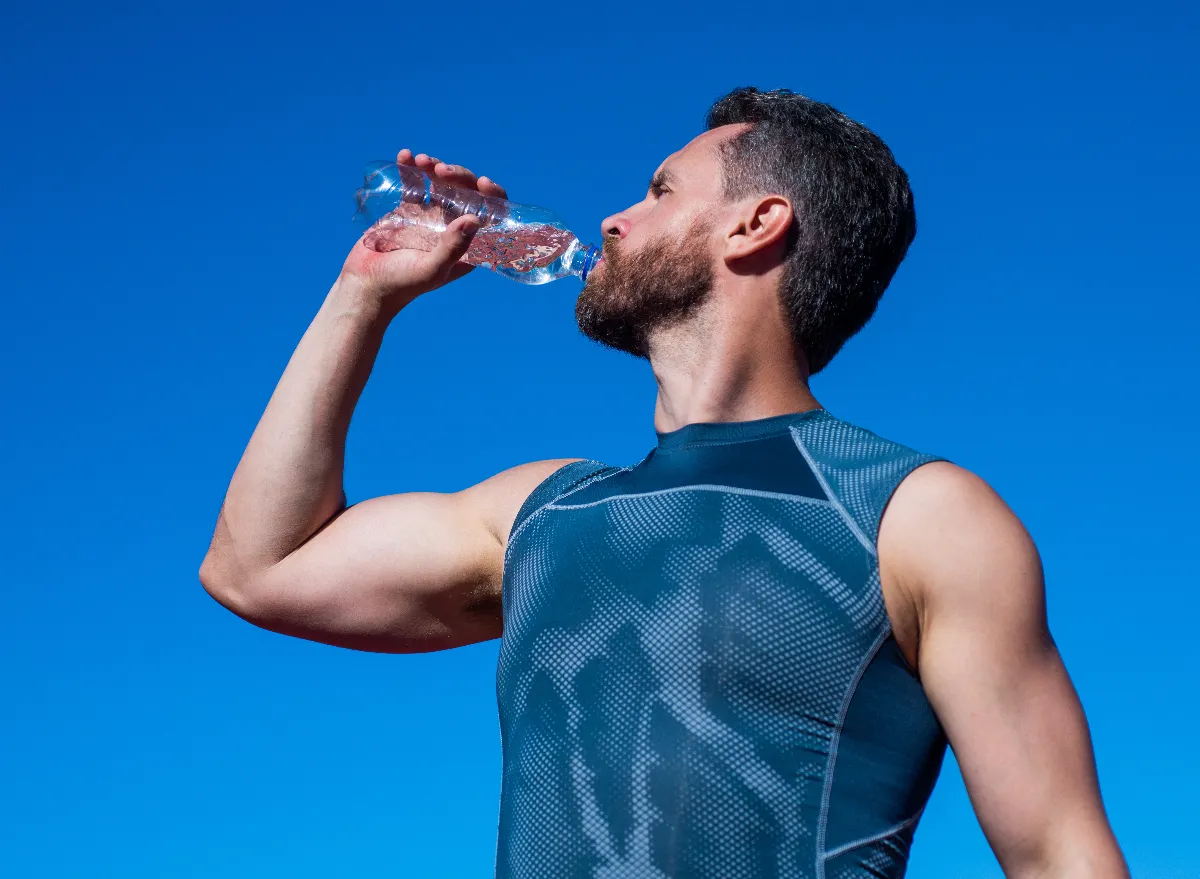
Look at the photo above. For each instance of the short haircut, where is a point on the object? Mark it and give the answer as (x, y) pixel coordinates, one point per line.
(854, 216)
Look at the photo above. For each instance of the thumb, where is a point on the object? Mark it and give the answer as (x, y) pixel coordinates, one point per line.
(454, 241)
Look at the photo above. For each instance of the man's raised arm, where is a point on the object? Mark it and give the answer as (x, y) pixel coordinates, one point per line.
(402, 573)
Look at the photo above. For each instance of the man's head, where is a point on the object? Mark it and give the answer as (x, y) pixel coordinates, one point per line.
(779, 187)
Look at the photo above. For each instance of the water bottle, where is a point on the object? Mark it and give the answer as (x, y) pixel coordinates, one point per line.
(405, 207)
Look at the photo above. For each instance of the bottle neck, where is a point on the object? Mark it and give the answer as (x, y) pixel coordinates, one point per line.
(583, 260)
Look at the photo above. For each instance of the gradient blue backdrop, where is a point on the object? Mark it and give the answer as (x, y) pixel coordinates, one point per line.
(175, 200)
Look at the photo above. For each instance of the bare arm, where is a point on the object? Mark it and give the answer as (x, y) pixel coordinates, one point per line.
(993, 675)
(403, 573)
(400, 573)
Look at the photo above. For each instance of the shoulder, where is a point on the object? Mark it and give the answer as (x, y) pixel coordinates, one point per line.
(511, 497)
(947, 536)
(941, 503)
(501, 500)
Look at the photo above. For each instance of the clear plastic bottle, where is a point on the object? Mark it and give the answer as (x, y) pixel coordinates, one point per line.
(408, 208)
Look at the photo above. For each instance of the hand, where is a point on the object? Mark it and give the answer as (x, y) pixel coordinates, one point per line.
(399, 276)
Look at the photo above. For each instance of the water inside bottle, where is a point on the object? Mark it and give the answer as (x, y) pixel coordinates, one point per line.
(500, 245)
(521, 249)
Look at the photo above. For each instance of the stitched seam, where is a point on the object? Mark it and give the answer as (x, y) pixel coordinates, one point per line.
(594, 478)
(723, 488)
(878, 837)
(833, 500)
(823, 819)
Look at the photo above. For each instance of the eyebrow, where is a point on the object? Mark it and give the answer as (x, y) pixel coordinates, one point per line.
(660, 177)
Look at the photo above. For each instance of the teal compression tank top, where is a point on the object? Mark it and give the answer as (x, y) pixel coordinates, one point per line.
(698, 678)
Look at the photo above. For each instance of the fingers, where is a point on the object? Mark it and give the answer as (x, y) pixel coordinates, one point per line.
(455, 175)
(408, 157)
(453, 243)
(488, 186)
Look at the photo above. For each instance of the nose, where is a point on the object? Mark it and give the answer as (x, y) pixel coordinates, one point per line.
(616, 226)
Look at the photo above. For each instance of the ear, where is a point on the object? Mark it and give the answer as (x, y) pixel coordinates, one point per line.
(758, 226)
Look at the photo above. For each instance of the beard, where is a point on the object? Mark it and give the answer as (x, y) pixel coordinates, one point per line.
(637, 293)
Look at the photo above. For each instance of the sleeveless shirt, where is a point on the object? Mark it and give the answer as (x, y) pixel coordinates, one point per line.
(698, 678)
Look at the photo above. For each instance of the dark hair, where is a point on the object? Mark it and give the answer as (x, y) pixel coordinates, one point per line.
(854, 217)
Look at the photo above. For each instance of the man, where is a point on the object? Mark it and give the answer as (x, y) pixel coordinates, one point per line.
(743, 656)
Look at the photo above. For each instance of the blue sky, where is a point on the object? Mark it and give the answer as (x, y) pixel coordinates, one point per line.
(176, 187)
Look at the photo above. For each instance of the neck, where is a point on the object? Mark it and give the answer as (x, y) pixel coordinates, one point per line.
(721, 366)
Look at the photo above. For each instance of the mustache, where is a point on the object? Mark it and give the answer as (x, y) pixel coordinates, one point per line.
(608, 249)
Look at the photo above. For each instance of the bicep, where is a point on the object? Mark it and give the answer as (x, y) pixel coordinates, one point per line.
(399, 574)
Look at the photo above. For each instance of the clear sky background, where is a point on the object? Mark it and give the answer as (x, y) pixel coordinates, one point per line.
(175, 197)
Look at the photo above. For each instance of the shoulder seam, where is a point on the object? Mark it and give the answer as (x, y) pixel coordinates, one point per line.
(867, 543)
(588, 480)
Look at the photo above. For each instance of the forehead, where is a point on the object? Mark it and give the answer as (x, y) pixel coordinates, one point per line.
(698, 163)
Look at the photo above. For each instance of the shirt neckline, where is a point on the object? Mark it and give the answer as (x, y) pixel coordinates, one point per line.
(717, 432)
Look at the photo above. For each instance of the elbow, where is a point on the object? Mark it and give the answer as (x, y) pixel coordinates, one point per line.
(1092, 853)
(225, 587)
(209, 577)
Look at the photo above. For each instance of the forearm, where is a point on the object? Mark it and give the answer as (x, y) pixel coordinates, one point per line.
(289, 480)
